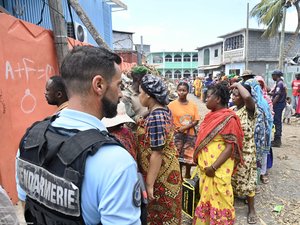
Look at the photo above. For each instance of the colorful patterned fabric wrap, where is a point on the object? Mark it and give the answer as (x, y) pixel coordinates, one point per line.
(158, 130)
(127, 139)
(244, 181)
(156, 88)
(216, 202)
(264, 121)
(185, 144)
(222, 122)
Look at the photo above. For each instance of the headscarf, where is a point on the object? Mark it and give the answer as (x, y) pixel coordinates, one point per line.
(264, 121)
(261, 81)
(226, 123)
(156, 88)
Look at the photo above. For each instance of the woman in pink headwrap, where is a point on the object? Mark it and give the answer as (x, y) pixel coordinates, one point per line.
(264, 88)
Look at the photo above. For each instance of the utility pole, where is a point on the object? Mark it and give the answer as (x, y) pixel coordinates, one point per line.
(87, 22)
(142, 49)
(247, 39)
(281, 50)
(59, 30)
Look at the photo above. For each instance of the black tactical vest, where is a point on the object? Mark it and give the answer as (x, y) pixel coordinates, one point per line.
(51, 169)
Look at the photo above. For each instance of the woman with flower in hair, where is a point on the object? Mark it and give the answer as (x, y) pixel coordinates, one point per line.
(218, 151)
(157, 156)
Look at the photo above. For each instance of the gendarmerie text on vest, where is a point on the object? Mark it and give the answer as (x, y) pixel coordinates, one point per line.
(47, 188)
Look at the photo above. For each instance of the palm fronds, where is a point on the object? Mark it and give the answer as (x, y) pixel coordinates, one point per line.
(269, 13)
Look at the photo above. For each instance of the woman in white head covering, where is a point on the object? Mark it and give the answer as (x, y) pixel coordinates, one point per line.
(117, 127)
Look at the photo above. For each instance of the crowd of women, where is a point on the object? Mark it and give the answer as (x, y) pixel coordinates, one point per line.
(226, 148)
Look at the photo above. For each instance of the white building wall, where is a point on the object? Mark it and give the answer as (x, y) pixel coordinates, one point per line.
(234, 66)
(212, 59)
(122, 41)
(215, 60)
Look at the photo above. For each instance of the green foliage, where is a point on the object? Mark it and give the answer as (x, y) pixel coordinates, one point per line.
(269, 13)
(139, 70)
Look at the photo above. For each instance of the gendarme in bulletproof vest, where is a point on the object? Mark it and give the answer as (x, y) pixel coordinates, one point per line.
(50, 170)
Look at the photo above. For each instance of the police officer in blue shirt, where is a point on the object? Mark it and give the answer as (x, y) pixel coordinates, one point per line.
(279, 101)
(108, 191)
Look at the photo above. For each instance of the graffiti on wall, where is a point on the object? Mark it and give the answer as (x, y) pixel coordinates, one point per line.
(27, 69)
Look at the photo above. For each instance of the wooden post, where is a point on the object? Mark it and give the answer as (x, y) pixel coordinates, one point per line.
(59, 30)
(87, 23)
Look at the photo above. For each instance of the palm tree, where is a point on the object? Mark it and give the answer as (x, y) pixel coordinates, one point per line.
(270, 13)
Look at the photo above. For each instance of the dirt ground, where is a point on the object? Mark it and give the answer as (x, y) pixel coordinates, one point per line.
(284, 186)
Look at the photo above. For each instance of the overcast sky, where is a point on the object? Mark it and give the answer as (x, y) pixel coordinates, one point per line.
(172, 25)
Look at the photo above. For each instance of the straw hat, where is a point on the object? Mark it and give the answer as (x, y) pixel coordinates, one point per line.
(120, 118)
(247, 73)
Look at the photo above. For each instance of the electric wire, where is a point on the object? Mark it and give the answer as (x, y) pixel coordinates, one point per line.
(42, 13)
(51, 8)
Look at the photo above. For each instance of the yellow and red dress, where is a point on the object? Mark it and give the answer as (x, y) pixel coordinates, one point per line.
(157, 130)
(219, 128)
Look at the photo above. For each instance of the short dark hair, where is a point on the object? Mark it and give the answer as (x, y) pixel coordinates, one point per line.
(58, 84)
(82, 63)
(277, 73)
(221, 90)
(183, 84)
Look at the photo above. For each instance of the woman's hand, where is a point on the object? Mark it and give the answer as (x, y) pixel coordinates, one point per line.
(209, 171)
(150, 192)
(154, 168)
(234, 85)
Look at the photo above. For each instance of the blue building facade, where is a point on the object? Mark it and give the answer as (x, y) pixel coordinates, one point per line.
(38, 12)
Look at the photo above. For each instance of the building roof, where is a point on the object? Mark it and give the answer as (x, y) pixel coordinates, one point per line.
(209, 67)
(116, 4)
(143, 44)
(205, 46)
(250, 29)
(124, 32)
(177, 52)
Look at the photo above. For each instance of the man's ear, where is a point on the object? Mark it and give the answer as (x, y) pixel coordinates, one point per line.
(59, 94)
(99, 84)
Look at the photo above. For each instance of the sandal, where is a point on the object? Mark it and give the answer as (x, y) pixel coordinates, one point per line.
(264, 179)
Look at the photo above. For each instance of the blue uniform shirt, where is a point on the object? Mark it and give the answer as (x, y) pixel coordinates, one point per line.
(280, 89)
(110, 177)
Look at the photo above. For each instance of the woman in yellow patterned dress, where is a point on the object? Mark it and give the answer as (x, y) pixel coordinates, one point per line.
(244, 180)
(218, 150)
(157, 156)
